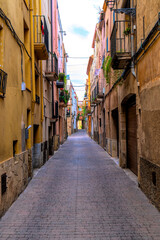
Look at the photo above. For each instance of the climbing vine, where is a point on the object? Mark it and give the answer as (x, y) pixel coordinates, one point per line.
(110, 74)
(107, 68)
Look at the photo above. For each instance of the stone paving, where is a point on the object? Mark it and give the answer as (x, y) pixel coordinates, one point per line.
(81, 194)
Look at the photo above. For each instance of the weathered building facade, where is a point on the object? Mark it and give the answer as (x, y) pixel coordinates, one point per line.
(15, 103)
(71, 111)
(32, 120)
(128, 113)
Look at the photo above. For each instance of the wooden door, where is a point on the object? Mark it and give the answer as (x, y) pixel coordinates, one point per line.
(132, 139)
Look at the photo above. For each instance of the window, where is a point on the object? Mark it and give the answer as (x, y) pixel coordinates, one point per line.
(35, 134)
(107, 48)
(107, 44)
(1, 46)
(68, 112)
(3, 183)
(113, 17)
(59, 43)
(127, 5)
(26, 58)
(49, 9)
(154, 178)
(37, 87)
(15, 147)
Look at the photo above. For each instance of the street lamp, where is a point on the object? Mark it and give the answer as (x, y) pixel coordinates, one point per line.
(110, 3)
(63, 32)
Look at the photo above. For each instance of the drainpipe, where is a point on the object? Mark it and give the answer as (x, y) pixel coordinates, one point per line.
(41, 76)
(33, 72)
(32, 52)
(132, 44)
(52, 58)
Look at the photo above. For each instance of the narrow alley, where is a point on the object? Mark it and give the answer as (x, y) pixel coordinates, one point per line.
(80, 193)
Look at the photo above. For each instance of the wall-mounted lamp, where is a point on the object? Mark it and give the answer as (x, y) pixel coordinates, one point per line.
(23, 86)
(110, 3)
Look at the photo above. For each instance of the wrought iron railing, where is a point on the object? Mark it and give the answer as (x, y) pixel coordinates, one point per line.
(94, 93)
(3, 82)
(64, 96)
(40, 30)
(120, 38)
(100, 88)
(49, 67)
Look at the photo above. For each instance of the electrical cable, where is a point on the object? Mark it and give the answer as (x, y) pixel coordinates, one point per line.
(9, 25)
(19, 42)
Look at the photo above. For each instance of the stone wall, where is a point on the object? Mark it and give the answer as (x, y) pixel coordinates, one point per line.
(150, 180)
(16, 170)
(96, 136)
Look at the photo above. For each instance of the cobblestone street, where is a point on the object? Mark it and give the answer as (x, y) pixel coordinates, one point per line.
(81, 194)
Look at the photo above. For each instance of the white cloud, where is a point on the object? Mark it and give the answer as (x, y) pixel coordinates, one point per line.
(80, 13)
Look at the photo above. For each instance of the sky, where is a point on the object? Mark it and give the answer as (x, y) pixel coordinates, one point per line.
(79, 18)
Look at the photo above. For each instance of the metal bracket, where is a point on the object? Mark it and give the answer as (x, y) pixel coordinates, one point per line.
(127, 11)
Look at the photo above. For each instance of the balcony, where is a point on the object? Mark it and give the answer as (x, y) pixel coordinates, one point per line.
(100, 90)
(61, 79)
(51, 72)
(60, 84)
(3, 82)
(121, 44)
(63, 98)
(40, 37)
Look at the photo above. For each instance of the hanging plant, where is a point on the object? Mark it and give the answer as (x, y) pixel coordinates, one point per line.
(107, 68)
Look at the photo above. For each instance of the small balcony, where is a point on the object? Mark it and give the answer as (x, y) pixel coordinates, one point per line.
(63, 98)
(51, 72)
(60, 84)
(3, 82)
(100, 90)
(60, 81)
(40, 37)
(121, 44)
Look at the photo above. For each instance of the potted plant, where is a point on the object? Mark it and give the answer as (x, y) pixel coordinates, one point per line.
(61, 76)
(127, 31)
(67, 96)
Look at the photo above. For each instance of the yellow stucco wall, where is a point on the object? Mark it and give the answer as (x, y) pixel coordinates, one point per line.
(148, 9)
(13, 107)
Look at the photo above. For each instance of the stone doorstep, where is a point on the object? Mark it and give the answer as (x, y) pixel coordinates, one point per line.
(127, 171)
